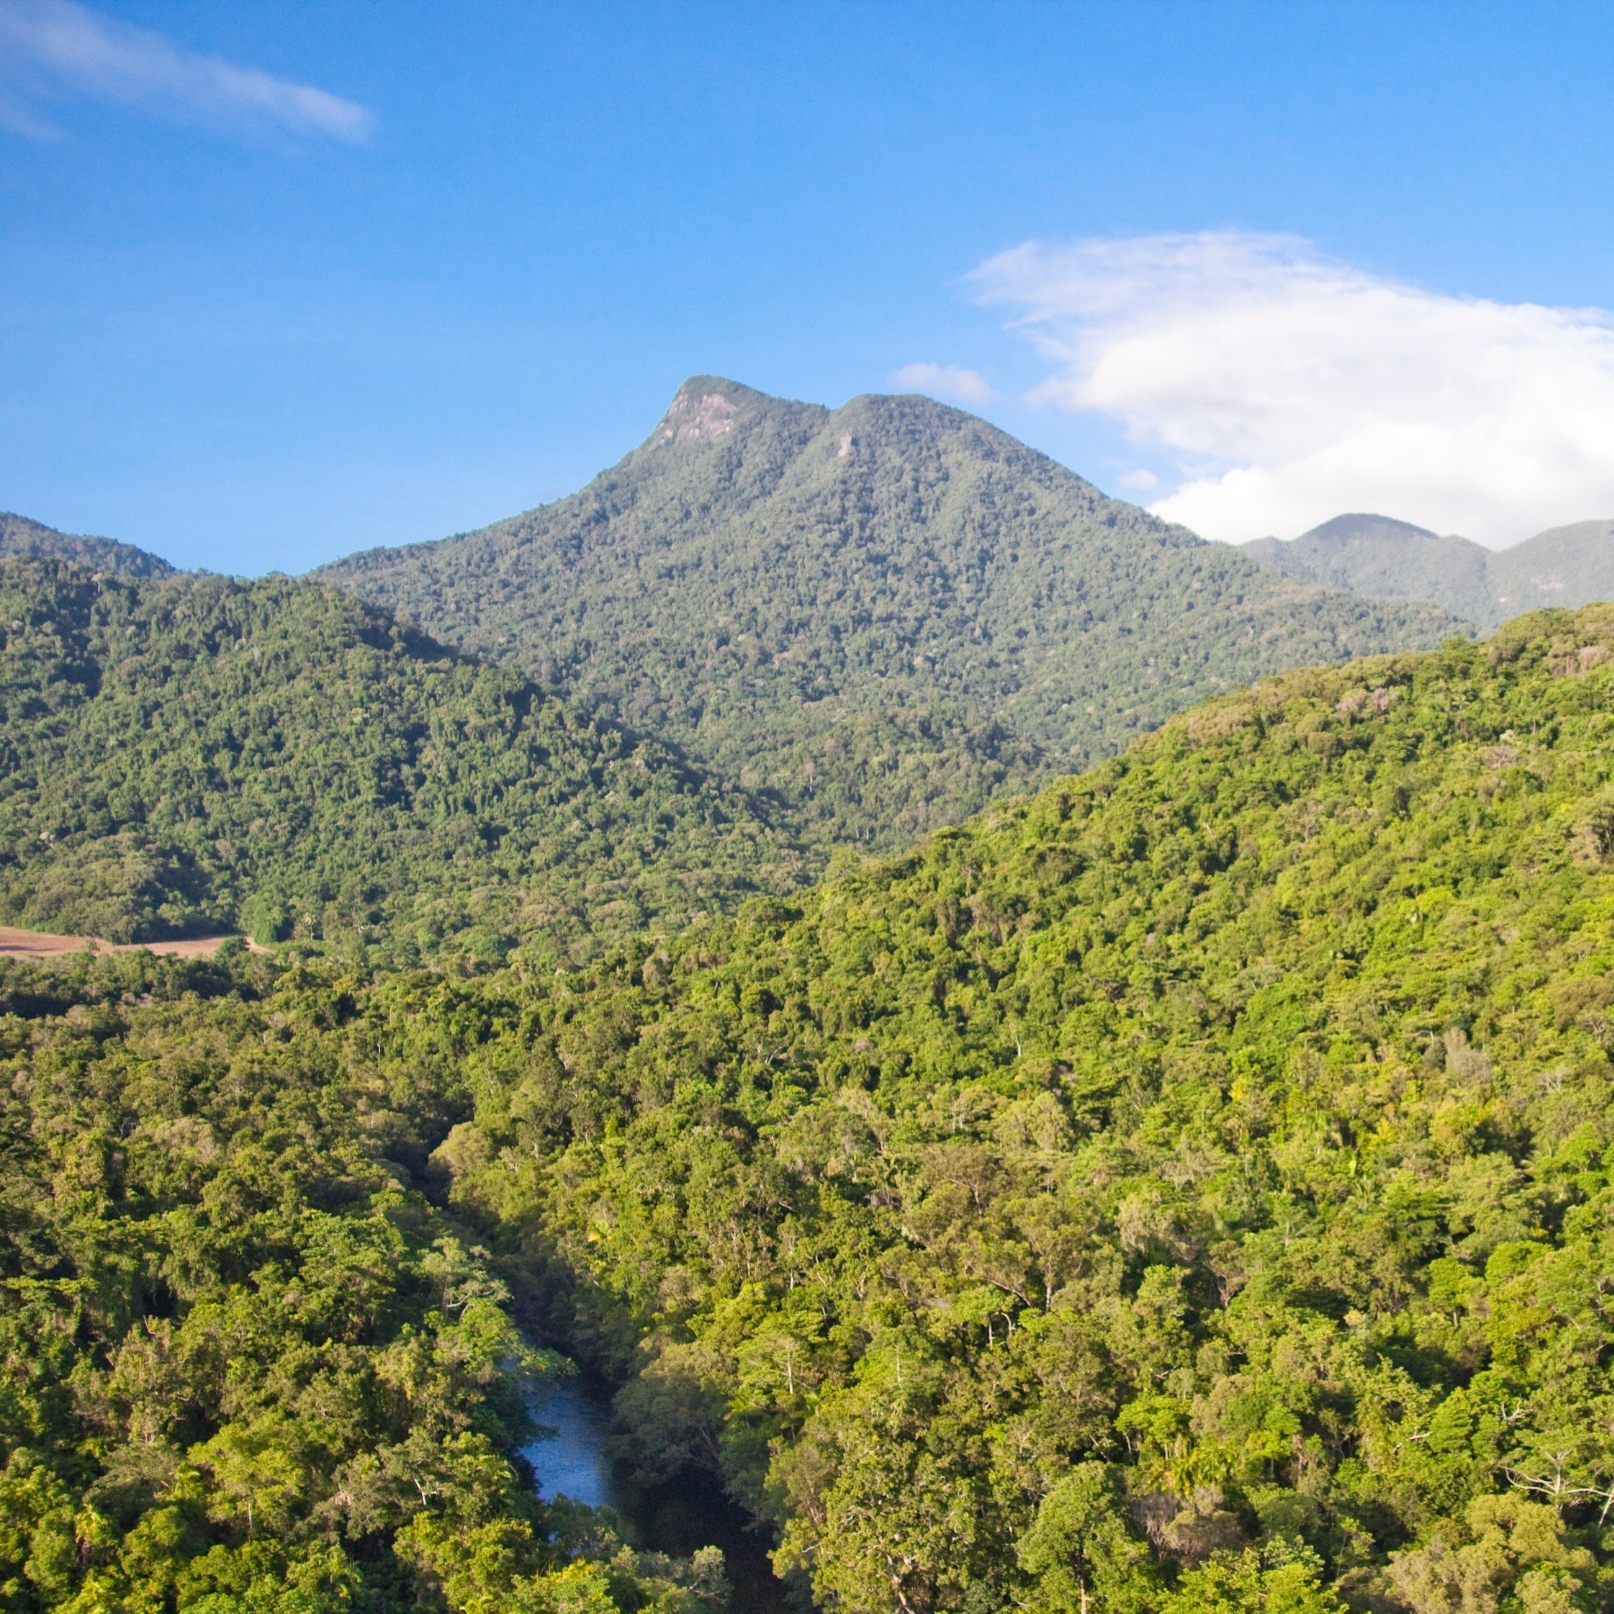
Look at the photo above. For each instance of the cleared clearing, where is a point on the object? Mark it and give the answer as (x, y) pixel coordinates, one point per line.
(16, 943)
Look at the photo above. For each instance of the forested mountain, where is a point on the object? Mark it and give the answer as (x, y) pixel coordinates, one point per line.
(20, 536)
(1186, 1191)
(187, 754)
(889, 613)
(1384, 559)
(1564, 566)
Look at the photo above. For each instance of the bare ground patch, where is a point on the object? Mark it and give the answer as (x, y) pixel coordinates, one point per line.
(16, 943)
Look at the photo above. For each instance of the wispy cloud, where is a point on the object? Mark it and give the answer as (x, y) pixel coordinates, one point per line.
(944, 381)
(1283, 387)
(54, 48)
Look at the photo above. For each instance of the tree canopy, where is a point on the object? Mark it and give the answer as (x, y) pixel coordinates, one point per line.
(186, 754)
(1185, 1190)
(246, 1365)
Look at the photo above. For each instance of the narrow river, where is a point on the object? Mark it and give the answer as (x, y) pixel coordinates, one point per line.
(573, 1462)
(678, 1518)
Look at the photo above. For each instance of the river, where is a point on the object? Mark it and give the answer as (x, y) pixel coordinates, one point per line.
(678, 1518)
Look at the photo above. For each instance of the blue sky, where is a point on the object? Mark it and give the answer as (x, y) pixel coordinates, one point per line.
(280, 281)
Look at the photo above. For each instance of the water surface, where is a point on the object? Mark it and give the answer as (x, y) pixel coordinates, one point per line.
(679, 1517)
(572, 1462)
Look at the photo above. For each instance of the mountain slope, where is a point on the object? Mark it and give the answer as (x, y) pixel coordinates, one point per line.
(888, 612)
(188, 753)
(1384, 559)
(20, 536)
(1566, 566)
(1190, 1189)
(1381, 558)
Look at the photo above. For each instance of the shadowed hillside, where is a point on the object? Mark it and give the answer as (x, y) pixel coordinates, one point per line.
(185, 754)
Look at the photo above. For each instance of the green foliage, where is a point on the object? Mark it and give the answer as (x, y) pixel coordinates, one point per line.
(1083, 1549)
(889, 615)
(1274, 1579)
(188, 754)
(1187, 1189)
(20, 536)
(246, 1367)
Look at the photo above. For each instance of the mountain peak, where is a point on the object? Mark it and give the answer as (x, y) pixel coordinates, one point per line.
(701, 412)
(709, 408)
(885, 615)
(1364, 525)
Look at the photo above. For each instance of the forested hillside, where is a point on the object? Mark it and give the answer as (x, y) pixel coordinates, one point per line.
(189, 754)
(247, 1366)
(890, 613)
(1570, 565)
(20, 536)
(1387, 559)
(1187, 1190)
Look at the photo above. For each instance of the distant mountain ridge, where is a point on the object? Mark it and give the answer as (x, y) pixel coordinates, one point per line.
(21, 536)
(886, 613)
(1380, 558)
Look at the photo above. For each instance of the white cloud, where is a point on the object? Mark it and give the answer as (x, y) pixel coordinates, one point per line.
(1284, 388)
(51, 46)
(945, 381)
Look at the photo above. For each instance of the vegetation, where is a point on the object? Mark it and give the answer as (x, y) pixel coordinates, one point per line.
(20, 536)
(889, 614)
(247, 1367)
(184, 755)
(1187, 1190)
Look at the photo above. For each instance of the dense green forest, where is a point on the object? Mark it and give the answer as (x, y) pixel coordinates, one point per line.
(246, 1366)
(890, 613)
(1187, 1189)
(188, 754)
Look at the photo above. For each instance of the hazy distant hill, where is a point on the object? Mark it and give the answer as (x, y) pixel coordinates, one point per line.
(188, 754)
(20, 536)
(1376, 556)
(1380, 558)
(1569, 566)
(887, 612)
